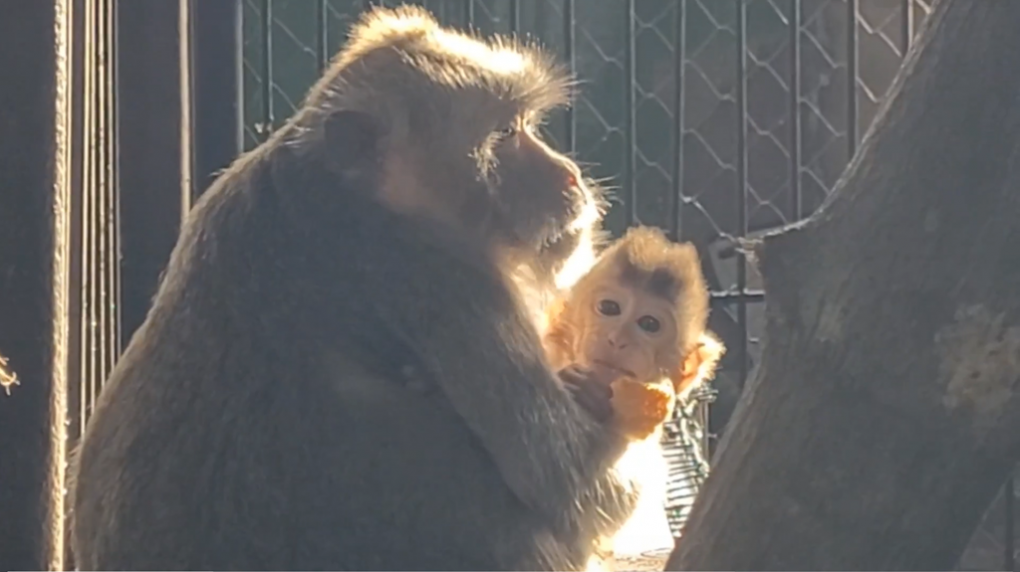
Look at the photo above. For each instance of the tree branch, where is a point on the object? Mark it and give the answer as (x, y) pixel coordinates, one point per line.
(886, 414)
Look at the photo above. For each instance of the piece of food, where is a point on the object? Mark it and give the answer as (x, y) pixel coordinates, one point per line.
(639, 408)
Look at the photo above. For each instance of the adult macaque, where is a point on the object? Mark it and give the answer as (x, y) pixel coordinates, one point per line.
(638, 318)
(255, 421)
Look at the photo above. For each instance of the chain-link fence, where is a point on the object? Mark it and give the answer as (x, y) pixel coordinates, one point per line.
(709, 118)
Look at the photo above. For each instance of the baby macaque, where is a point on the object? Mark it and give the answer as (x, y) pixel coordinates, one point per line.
(638, 318)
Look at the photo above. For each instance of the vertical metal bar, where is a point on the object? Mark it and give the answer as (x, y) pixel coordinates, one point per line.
(216, 88)
(76, 126)
(268, 121)
(35, 246)
(115, 234)
(515, 16)
(469, 12)
(679, 96)
(94, 196)
(742, 181)
(906, 26)
(88, 290)
(111, 191)
(570, 130)
(676, 201)
(851, 72)
(71, 180)
(70, 176)
(1009, 495)
(153, 116)
(102, 162)
(630, 117)
(795, 89)
(101, 196)
(322, 33)
(185, 99)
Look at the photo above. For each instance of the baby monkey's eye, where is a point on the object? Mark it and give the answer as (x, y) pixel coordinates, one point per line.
(609, 308)
(649, 324)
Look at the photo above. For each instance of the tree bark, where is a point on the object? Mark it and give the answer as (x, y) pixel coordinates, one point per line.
(886, 414)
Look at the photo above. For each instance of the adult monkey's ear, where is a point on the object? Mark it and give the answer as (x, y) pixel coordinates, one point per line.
(353, 142)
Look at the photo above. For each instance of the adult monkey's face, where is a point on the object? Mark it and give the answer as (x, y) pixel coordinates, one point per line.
(484, 156)
(545, 201)
(455, 120)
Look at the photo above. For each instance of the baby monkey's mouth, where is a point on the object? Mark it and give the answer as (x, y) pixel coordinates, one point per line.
(614, 368)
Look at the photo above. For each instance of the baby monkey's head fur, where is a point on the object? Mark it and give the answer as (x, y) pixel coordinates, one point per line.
(640, 311)
(447, 124)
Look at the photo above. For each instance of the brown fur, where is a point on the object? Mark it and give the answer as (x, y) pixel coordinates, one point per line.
(257, 420)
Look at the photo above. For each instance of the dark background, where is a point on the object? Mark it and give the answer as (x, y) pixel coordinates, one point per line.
(709, 118)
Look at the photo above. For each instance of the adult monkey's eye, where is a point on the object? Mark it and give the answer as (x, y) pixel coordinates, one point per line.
(609, 308)
(649, 324)
(506, 132)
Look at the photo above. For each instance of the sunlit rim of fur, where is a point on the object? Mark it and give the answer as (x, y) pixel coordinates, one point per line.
(582, 260)
(516, 69)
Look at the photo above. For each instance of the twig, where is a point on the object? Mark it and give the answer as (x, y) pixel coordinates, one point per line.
(8, 378)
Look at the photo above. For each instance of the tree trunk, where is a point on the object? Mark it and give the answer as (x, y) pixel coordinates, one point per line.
(886, 414)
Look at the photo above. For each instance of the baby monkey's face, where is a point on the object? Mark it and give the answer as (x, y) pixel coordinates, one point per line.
(632, 333)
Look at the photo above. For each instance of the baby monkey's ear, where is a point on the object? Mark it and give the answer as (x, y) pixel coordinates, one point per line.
(699, 365)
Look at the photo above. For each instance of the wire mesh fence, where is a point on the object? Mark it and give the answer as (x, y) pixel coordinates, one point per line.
(709, 118)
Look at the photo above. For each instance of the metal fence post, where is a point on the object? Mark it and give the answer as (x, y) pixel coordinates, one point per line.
(154, 163)
(217, 111)
(33, 325)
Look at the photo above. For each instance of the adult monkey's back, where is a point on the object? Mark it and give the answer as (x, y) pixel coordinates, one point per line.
(252, 422)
